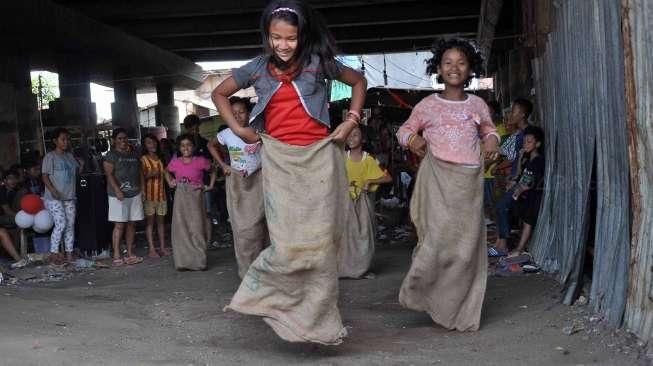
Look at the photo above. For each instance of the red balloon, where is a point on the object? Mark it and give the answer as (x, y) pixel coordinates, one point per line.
(31, 203)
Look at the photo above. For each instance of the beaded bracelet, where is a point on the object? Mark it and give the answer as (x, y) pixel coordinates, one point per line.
(358, 115)
(410, 139)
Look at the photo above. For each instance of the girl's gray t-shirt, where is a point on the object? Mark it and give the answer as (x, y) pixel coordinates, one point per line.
(62, 171)
(127, 170)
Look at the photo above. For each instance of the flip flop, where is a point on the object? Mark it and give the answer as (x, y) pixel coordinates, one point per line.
(133, 260)
(99, 264)
(529, 268)
(117, 262)
(514, 268)
(522, 258)
(494, 252)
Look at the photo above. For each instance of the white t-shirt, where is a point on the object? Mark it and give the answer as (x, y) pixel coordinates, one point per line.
(244, 157)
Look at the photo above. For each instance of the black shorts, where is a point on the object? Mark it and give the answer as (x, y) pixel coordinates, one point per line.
(528, 209)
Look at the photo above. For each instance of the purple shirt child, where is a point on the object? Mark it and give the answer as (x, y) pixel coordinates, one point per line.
(191, 173)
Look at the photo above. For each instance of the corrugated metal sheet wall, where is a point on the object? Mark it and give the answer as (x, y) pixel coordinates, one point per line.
(639, 310)
(579, 83)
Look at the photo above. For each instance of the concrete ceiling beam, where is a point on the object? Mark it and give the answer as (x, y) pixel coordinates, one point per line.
(118, 10)
(44, 29)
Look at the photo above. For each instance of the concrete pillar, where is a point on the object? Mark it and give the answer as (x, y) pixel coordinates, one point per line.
(73, 77)
(165, 94)
(9, 143)
(74, 107)
(15, 71)
(166, 113)
(124, 111)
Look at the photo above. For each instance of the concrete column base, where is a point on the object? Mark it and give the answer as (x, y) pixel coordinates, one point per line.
(168, 116)
(67, 111)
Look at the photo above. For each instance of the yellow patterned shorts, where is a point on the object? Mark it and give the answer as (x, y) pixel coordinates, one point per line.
(160, 208)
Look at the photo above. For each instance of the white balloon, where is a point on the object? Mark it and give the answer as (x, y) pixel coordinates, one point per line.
(43, 221)
(24, 220)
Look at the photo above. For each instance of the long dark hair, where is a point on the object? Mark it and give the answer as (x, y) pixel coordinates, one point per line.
(313, 35)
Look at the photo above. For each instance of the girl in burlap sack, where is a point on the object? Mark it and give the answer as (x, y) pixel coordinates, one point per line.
(293, 284)
(364, 175)
(189, 224)
(244, 188)
(448, 273)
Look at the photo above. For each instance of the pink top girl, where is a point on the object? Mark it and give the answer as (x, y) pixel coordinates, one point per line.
(452, 129)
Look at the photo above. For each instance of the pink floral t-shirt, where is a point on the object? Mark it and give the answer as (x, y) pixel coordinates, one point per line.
(190, 173)
(452, 129)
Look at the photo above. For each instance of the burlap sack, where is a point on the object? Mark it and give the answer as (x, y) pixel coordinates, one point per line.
(448, 273)
(189, 228)
(357, 249)
(293, 284)
(247, 216)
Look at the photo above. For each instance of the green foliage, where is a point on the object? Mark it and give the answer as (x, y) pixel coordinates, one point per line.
(49, 88)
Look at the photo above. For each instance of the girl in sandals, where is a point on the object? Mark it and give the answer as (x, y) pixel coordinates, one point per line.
(155, 204)
(122, 167)
(447, 276)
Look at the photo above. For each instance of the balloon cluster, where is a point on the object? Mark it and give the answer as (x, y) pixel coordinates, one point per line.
(32, 214)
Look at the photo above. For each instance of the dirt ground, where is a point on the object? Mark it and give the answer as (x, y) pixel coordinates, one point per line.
(150, 314)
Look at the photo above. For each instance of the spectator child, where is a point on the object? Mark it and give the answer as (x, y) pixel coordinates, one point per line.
(521, 110)
(527, 190)
(155, 205)
(122, 167)
(60, 170)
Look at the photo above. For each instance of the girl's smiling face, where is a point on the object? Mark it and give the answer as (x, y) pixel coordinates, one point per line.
(283, 39)
(355, 138)
(186, 148)
(454, 68)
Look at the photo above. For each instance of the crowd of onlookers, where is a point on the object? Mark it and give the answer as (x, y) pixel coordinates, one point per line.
(514, 182)
(140, 184)
(141, 181)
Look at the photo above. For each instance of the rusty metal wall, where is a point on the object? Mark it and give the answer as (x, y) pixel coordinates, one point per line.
(579, 83)
(638, 42)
